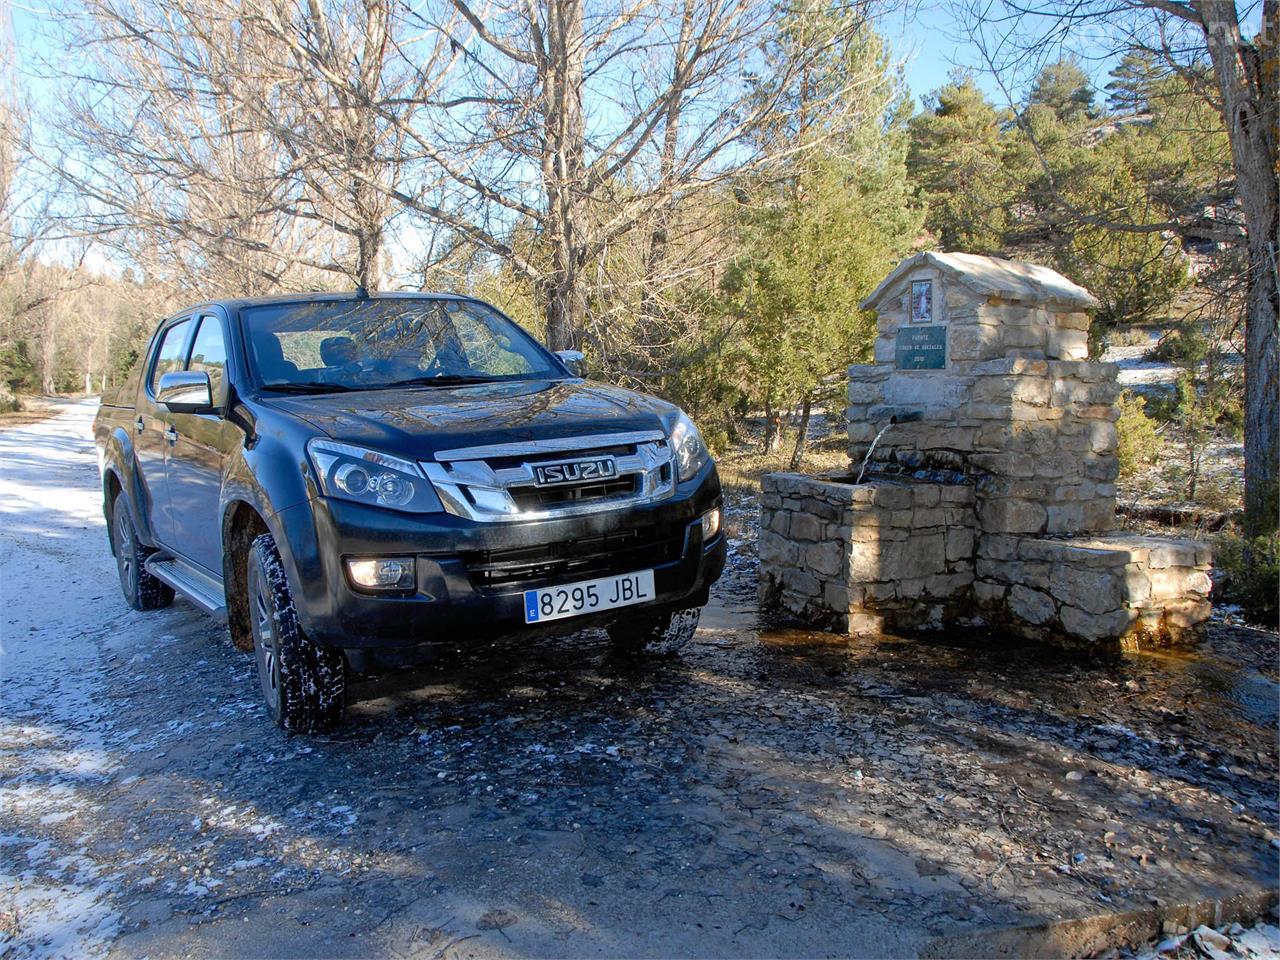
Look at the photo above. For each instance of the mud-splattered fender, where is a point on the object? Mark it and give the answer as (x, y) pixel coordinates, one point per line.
(268, 473)
(116, 462)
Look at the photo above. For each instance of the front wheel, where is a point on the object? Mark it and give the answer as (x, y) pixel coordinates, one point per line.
(661, 634)
(304, 684)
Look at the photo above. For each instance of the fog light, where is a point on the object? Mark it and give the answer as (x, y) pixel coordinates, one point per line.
(382, 573)
(710, 524)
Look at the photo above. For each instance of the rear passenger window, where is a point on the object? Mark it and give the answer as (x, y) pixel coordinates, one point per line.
(169, 357)
(208, 354)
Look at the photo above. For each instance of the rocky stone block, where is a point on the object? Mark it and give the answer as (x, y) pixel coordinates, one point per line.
(988, 592)
(865, 623)
(1012, 516)
(1172, 553)
(890, 496)
(1072, 321)
(804, 526)
(1137, 585)
(780, 523)
(926, 494)
(1031, 605)
(959, 543)
(946, 585)
(998, 547)
(1090, 589)
(1067, 344)
(827, 558)
(841, 597)
(1092, 627)
(866, 391)
(799, 581)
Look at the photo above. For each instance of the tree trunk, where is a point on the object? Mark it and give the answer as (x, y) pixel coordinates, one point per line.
(565, 309)
(772, 428)
(560, 63)
(1248, 77)
(659, 239)
(802, 435)
(369, 259)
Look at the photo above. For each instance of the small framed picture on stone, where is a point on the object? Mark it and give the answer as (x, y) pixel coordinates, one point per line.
(922, 301)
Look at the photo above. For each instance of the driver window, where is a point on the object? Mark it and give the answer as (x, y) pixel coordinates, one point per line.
(485, 348)
(208, 353)
(169, 356)
(339, 351)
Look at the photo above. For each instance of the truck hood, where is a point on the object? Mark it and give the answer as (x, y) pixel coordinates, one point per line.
(416, 422)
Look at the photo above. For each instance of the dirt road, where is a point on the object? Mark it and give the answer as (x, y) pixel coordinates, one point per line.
(773, 793)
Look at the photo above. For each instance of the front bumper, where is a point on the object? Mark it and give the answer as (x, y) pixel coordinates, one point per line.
(468, 589)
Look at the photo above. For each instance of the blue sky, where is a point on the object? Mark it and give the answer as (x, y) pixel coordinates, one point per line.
(929, 43)
(923, 35)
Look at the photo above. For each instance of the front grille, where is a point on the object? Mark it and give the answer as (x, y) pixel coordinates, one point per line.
(580, 559)
(502, 463)
(535, 498)
(497, 482)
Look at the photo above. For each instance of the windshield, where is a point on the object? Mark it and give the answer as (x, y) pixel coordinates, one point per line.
(332, 346)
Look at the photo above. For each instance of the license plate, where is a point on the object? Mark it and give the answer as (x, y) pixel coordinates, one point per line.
(588, 596)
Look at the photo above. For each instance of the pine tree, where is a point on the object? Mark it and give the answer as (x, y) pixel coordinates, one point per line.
(817, 239)
(1064, 88)
(1133, 80)
(957, 158)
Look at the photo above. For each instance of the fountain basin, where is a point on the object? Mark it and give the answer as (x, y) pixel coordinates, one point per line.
(897, 553)
(890, 553)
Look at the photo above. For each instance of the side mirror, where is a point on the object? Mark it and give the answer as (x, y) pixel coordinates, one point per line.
(575, 360)
(185, 391)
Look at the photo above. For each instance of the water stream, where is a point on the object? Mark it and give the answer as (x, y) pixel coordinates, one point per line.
(872, 449)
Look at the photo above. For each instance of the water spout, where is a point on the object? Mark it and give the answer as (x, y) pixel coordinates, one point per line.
(896, 418)
(862, 472)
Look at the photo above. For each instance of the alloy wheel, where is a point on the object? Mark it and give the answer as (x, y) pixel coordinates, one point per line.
(265, 648)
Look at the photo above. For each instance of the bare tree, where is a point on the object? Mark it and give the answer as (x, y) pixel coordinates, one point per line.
(1246, 89)
(165, 139)
(27, 289)
(582, 123)
(352, 99)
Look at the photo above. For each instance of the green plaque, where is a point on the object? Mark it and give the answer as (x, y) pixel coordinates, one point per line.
(922, 348)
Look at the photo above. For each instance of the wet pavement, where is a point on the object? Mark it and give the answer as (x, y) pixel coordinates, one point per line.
(772, 792)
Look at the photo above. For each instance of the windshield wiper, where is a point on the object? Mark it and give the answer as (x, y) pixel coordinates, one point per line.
(443, 380)
(309, 386)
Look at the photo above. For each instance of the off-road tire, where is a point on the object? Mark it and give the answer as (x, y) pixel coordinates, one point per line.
(661, 634)
(304, 685)
(141, 590)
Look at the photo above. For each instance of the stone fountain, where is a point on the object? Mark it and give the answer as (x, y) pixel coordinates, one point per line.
(988, 443)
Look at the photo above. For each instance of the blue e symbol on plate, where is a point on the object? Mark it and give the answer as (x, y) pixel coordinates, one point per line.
(530, 606)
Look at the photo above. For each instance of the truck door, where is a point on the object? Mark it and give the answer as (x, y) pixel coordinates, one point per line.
(153, 429)
(197, 454)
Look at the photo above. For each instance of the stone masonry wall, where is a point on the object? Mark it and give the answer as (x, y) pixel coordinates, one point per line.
(1142, 590)
(865, 557)
(1037, 436)
(979, 369)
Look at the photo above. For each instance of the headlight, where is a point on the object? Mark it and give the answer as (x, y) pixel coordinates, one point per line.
(354, 473)
(691, 453)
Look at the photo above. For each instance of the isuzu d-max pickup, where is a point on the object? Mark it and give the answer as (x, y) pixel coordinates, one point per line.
(356, 483)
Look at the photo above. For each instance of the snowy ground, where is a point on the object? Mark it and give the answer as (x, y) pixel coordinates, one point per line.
(772, 793)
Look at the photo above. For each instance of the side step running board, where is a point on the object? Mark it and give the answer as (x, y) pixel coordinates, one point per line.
(204, 591)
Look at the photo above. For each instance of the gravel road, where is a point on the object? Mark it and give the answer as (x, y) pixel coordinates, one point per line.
(771, 793)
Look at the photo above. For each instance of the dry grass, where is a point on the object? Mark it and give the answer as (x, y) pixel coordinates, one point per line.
(34, 409)
(742, 467)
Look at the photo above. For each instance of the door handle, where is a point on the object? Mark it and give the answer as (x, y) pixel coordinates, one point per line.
(171, 434)
(139, 425)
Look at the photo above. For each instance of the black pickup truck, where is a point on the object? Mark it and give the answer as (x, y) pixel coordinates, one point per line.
(356, 483)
